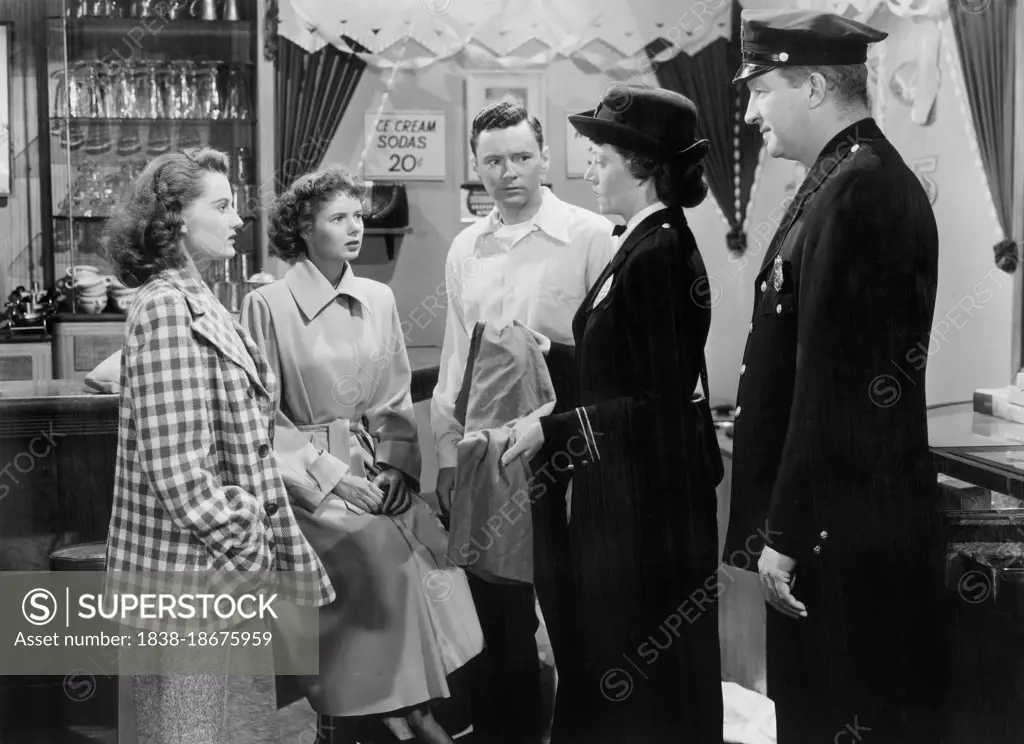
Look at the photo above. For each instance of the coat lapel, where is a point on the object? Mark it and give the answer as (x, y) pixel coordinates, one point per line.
(224, 337)
(795, 208)
(609, 270)
(634, 239)
(835, 152)
(645, 228)
(264, 374)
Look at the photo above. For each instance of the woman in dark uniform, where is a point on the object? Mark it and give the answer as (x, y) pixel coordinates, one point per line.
(642, 659)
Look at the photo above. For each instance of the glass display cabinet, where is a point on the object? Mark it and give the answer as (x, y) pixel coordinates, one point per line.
(127, 81)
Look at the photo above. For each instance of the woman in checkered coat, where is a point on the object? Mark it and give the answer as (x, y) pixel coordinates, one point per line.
(196, 484)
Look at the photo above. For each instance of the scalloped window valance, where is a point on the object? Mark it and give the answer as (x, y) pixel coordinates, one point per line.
(504, 33)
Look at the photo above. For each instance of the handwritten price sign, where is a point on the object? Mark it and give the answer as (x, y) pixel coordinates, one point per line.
(405, 146)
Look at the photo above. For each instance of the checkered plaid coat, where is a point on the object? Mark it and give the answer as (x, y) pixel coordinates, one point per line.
(196, 486)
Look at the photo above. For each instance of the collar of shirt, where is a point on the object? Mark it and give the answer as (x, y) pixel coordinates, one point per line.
(552, 217)
(312, 291)
(639, 217)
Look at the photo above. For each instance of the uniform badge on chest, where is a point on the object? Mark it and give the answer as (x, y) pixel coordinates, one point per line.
(603, 292)
(777, 274)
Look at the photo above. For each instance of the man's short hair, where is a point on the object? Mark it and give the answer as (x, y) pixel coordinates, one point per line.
(849, 83)
(503, 115)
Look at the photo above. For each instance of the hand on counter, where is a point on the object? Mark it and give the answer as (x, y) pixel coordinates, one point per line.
(777, 583)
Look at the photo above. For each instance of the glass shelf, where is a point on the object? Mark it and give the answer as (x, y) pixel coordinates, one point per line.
(111, 66)
(157, 27)
(121, 40)
(249, 217)
(84, 121)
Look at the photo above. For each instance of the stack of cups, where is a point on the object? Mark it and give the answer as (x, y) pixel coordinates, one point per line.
(90, 288)
(121, 295)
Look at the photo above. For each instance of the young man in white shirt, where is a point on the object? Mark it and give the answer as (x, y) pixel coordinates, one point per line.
(532, 260)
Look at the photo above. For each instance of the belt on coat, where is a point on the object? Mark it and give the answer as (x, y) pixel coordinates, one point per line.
(336, 438)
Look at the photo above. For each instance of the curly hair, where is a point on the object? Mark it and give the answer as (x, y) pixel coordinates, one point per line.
(141, 237)
(295, 209)
(675, 185)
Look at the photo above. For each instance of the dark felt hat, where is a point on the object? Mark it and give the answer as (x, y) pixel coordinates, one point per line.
(790, 38)
(654, 122)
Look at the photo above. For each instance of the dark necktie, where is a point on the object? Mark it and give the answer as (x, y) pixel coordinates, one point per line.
(617, 230)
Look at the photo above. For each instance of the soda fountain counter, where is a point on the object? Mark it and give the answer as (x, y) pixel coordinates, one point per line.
(980, 460)
(58, 445)
(980, 464)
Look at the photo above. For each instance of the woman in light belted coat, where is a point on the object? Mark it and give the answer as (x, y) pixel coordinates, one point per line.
(347, 443)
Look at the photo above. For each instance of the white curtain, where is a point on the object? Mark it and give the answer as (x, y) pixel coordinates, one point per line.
(505, 33)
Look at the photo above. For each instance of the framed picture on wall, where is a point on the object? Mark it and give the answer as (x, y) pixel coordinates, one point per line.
(5, 108)
(484, 87)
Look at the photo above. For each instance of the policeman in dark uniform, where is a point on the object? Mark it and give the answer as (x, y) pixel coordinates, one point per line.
(832, 473)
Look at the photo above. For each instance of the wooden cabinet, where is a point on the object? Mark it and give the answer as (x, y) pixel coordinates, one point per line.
(59, 445)
(24, 361)
(80, 342)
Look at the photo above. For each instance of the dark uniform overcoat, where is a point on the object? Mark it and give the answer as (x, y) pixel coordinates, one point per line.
(638, 653)
(831, 459)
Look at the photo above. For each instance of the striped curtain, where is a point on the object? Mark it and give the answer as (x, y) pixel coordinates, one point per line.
(985, 40)
(313, 92)
(706, 79)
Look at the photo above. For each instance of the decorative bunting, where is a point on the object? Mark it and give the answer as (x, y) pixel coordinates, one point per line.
(605, 32)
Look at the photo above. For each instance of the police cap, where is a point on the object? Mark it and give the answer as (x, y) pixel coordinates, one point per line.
(790, 38)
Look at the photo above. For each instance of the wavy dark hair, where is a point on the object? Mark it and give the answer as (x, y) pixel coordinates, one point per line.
(296, 208)
(142, 235)
(503, 115)
(674, 184)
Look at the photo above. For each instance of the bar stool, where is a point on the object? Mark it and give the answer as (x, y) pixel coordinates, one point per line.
(88, 556)
(97, 718)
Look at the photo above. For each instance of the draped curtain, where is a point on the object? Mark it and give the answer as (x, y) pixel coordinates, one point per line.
(313, 92)
(706, 79)
(985, 41)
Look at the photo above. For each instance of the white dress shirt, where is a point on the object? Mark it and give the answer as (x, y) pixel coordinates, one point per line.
(537, 273)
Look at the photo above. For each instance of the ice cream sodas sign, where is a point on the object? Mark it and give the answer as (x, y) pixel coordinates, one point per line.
(405, 146)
